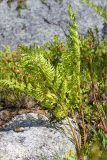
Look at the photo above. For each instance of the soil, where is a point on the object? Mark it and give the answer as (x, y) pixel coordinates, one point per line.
(8, 110)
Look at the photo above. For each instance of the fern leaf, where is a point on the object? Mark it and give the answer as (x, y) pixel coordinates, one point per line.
(12, 84)
(71, 60)
(99, 9)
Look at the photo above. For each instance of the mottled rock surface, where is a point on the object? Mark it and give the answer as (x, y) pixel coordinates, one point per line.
(41, 20)
(32, 137)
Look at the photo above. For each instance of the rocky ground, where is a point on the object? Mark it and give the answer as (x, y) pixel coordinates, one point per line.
(9, 110)
(32, 137)
(43, 19)
(28, 133)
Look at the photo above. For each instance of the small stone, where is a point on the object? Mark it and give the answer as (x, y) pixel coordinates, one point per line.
(19, 129)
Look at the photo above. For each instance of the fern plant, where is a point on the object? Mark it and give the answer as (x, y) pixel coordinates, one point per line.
(49, 76)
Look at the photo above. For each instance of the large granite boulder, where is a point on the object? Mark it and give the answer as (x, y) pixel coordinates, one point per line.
(32, 137)
(42, 19)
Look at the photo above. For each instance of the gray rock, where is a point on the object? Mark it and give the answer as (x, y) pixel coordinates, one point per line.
(43, 19)
(37, 140)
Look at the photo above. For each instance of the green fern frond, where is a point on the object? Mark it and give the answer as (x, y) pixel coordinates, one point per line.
(71, 60)
(37, 92)
(99, 9)
(41, 67)
(12, 84)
